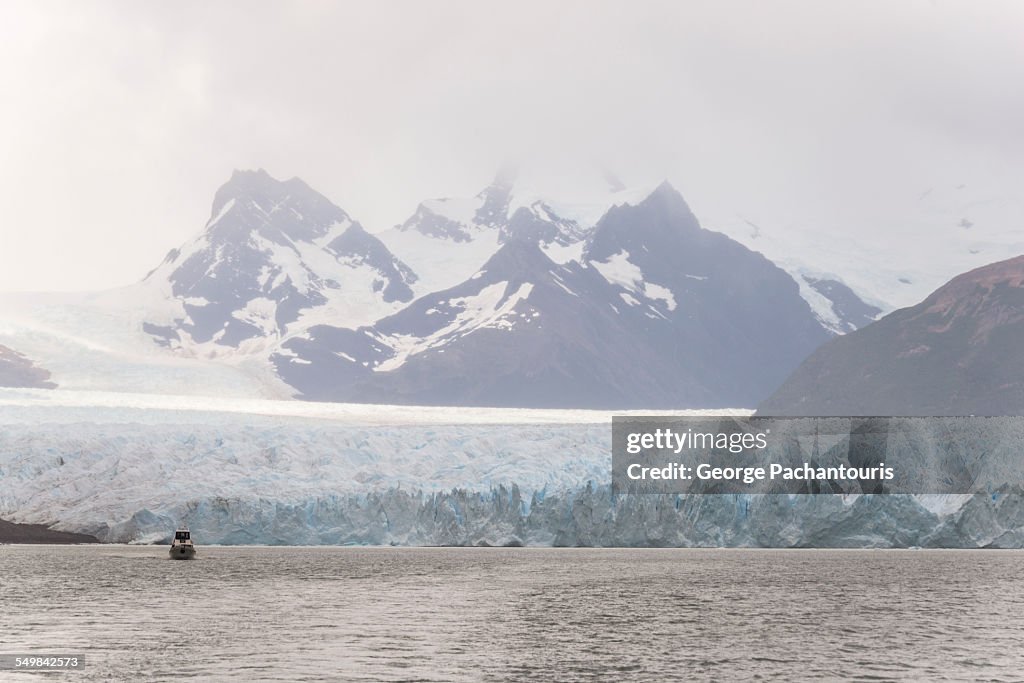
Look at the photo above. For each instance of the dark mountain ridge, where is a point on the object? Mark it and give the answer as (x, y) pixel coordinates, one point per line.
(958, 352)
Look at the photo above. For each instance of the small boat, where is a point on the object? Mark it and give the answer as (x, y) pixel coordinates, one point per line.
(182, 547)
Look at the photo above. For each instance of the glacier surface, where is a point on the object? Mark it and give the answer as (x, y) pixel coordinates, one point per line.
(277, 472)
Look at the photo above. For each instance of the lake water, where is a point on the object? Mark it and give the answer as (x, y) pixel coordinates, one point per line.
(452, 614)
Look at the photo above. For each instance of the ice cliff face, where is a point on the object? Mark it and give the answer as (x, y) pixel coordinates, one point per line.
(591, 516)
(133, 475)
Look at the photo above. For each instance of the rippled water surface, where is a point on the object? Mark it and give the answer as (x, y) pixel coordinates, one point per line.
(426, 614)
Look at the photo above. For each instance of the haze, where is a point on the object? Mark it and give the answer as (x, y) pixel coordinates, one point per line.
(120, 120)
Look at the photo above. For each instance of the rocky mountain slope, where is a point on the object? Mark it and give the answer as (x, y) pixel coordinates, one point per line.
(18, 371)
(657, 313)
(958, 352)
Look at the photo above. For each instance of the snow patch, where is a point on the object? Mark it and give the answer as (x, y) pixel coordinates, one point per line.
(228, 205)
(619, 270)
(260, 313)
(562, 285)
(440, 264)
(562, 254)
(657, 292)
(487, 309)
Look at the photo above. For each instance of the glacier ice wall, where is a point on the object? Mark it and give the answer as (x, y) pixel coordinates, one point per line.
(588, 516)
(266, 479)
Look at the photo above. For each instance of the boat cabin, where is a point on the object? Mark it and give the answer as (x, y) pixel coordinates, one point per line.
(182, 547)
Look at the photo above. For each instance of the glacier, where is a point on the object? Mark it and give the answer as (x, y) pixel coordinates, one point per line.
(129, 469)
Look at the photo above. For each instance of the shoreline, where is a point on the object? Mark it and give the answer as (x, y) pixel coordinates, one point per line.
(403, 548)
(12, 532)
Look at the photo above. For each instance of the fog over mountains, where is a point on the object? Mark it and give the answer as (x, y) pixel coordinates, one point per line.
(506, 298)
(657, 312)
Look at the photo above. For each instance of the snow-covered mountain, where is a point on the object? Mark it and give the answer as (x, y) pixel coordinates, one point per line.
(446, 240)
(719, 302)
(272, 253)
(274, 258)
(657, 312)
(523, 330)
(515, 296)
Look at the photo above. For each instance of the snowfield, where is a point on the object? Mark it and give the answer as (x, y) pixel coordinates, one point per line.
(129, 468)
(932, 234)
(56, 406)
(96, 343)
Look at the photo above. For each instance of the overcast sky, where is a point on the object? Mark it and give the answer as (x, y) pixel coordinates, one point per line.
(119, 120)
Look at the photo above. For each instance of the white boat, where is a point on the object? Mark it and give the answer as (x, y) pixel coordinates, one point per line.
(182, 547)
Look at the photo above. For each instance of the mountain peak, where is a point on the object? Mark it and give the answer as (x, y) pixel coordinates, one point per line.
(282, 210)
(656, 223)
(271, 250)
(518, 258)
(668, 197)
(244, 181)
(257, 184)
(496, 197)
(242, 173)
(243, 185)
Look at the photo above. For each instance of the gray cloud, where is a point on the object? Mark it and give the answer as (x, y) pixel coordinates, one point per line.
(121, 119)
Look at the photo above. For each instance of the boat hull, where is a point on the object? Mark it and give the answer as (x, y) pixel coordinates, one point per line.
(182, 552)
